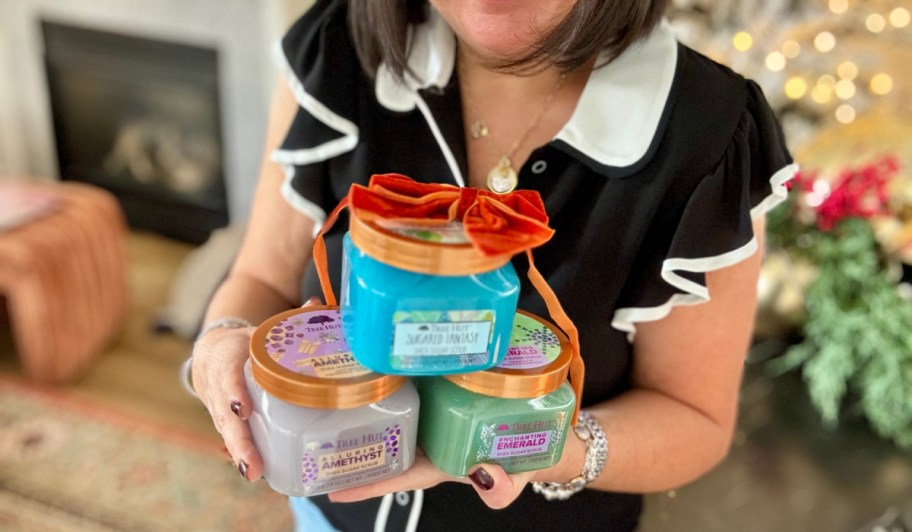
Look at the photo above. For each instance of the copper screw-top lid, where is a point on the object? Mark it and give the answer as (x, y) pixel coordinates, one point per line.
(392, 246)
(536, 364)
(300, 356)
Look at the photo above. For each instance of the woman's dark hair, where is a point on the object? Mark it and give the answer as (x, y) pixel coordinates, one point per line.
(380, 32)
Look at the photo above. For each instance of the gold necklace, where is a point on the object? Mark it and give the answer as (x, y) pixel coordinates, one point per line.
(502, 178)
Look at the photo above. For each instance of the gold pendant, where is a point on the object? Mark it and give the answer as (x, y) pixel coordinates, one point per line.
(479, 129)
(502, 178)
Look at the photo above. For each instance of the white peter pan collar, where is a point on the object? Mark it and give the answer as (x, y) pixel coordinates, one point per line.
(618, 114)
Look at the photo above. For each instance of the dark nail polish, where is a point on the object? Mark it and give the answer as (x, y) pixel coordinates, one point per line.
(482, 479)
(236, 408)
(242, 468)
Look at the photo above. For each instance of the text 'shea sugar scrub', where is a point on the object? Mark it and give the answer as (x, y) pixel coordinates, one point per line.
(427, 283)
(322, 421)
(515, 415)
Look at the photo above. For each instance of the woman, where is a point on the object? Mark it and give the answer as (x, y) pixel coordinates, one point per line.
(656, 166)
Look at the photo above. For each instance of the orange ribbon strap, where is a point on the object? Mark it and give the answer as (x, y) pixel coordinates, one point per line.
(577, 368)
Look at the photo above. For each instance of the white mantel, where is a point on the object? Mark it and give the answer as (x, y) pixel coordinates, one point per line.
(242, 31)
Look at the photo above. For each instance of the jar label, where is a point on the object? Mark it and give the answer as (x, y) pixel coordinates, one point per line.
(532, 345)
(449, 233)
(522, 442)
(355, 456)
(442, 333)
(312, 344)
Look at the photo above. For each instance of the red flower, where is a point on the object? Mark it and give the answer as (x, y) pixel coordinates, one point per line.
(857, 192)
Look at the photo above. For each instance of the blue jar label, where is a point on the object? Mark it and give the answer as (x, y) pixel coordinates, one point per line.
(419, 334)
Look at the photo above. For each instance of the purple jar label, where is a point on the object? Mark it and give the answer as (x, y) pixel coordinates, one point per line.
(311, 343)
(532, 345)
(352, 457)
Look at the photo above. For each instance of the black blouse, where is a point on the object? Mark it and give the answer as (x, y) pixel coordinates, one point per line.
(654, 181)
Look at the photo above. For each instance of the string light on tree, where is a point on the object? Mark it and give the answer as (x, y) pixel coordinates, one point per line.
(875, 23)
(845, 89)
(791, 49)
(821, 60)
(743, 41)
(845, 113)
(795, 88)
(881, 84)
(839, 6)
(824, 42)
(847, 70)
(775, 61)
(822, 94)
(900, 17)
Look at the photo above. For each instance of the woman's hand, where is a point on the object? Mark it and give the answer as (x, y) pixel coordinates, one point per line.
(218, 379)
(495, 487)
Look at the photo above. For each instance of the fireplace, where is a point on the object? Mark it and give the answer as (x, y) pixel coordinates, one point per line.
(140, 117)
(204, 121)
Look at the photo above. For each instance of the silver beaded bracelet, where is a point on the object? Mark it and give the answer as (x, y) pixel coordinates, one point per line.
(588, 430)
(186, 369)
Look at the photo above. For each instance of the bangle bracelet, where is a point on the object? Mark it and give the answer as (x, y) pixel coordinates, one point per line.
(186, 376)
(228, 322)
(186, 369)
(588, 430)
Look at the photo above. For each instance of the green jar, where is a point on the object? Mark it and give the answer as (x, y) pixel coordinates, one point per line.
(516, 414)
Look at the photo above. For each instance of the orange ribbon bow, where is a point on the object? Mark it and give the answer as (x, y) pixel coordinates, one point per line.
(494, 224)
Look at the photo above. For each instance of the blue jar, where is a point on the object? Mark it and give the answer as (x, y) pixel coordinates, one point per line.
(420, 301)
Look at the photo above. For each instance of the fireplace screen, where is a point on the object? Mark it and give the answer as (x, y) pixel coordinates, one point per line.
(140, 118)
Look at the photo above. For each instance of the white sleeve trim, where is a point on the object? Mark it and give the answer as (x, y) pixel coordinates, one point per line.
(300, 203)
(695, 293)
(299, 157)
(780, 191)
(324, 151)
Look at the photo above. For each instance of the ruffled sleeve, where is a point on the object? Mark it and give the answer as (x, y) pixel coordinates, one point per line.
(321, 68)
(711, 226)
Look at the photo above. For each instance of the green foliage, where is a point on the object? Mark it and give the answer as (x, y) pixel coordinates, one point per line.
(858, 336)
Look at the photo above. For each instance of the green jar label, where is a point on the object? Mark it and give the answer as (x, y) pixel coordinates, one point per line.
(532, 345)
(522, 442)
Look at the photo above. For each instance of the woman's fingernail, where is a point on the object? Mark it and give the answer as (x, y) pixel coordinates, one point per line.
(242, 468)
(236, 408)
(313, 301)
(482, 479)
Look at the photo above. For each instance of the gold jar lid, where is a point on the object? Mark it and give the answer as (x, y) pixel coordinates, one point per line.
(424, 249)
(536, 364)
(301, 356)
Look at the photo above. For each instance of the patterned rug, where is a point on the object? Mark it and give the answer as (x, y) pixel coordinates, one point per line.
(68, 466)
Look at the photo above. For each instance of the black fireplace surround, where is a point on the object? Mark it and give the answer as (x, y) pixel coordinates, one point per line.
(140, 118)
